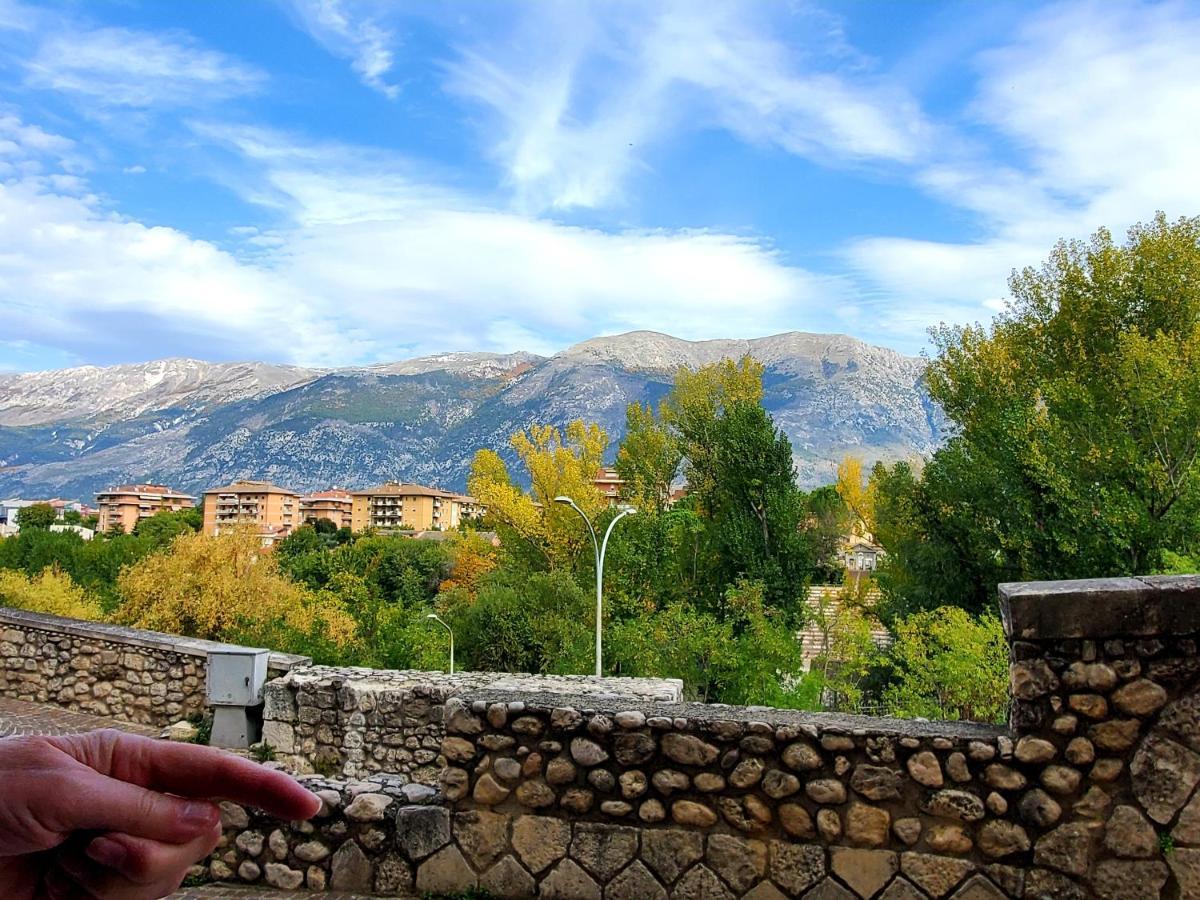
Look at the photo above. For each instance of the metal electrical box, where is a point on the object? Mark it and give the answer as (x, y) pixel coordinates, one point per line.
(236, 676)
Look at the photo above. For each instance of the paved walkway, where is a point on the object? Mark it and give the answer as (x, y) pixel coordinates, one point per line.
(18, 717)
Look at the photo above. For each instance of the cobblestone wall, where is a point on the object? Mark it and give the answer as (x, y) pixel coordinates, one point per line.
(1092, 793)
(106, 670)
(356, 722)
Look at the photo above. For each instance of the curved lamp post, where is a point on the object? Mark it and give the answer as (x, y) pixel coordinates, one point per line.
(449, 629)
(600, 548)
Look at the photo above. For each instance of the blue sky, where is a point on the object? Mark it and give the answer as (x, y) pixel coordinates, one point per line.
(338, 182)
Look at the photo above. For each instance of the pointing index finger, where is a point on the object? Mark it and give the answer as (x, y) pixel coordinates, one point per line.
(189, 770)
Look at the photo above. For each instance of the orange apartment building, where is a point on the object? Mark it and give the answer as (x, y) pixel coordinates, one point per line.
(273, 510)
(395, 505)
(128, 504)
(610, 485)
(333, 504)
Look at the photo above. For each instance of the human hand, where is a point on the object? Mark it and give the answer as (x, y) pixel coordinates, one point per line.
(112, 816)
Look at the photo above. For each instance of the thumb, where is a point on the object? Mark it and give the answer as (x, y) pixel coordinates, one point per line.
(107, 804)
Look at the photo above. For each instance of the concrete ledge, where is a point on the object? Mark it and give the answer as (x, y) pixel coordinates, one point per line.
(1150, 606)
(134, 637)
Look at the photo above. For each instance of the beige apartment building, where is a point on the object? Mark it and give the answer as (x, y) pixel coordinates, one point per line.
(333, 504)
(397, 505)
(273, 510)
(128, 504)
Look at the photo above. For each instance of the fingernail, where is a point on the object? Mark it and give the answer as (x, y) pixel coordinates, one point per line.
(107, 852)
(199, 815)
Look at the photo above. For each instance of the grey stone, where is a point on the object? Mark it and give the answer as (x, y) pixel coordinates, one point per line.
(1118, 879)
(978, 888)
(1164, 773)
(1067, 848)
(1039, 808)
(699, 883)
(827, 791)
(829, 890)
(902, 889)
(507, 880)
(936, 875)
(446, 872)
(277, 875)
(796, 867)
(482, 836)
(738, 861)
(568, 882)
(540, 840)
(955, 804)
(876, 782)
(669, 851)
(368, 808)
(999, 838)
(688, 750)
(778, 784)
(350, 869)
(865, 871)
(1127, 834)
(421, 830)
(603, 849)
(635, 883)
(587, 752)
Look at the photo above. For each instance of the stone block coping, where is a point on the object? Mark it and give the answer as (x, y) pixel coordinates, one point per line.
(134, 637)
(368, 681)
(676, 715)
(1150, 606)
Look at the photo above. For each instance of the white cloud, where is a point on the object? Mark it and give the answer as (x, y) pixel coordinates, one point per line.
(581, 90)
(371, 262)
(403, 260)
(78, 277)
(348, 29)
(126, 67)
(1098, 102)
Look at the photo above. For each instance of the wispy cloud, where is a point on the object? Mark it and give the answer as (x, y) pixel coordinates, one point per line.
(350, 30)
(581, 91)
(127, 67)
(1097, 103)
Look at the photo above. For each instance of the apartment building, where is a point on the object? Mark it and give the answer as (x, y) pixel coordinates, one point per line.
(273, 510)
(126, 505)
(396, 505)
(610, 484)
(333, 504)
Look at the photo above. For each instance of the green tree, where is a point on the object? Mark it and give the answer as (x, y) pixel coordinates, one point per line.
(1076, 423)
(166, 525)
(37, 517)
(949, 665)
(648, 459)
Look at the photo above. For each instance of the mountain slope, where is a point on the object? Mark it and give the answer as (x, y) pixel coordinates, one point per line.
(193, 424)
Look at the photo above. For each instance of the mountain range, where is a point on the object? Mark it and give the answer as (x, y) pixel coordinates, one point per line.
(192, 424)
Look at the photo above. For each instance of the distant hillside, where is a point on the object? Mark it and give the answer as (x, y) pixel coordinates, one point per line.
(194, 424)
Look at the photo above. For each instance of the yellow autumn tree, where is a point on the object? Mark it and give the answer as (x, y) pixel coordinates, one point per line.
(858, 493)
(226, 587)
(51, 592)
(557, 464)
(472, 558)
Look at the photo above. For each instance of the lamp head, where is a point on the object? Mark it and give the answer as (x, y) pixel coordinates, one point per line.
(431, 615)
(563, 499)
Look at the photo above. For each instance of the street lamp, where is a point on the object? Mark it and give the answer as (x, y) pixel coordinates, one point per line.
(600, 548)
(449, 629)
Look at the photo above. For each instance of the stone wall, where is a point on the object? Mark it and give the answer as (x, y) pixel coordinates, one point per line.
(1091, 793)
(355, 722)
(107, 670)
